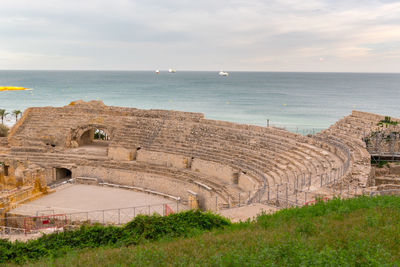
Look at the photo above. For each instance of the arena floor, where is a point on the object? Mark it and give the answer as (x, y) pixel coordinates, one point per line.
(96, 203)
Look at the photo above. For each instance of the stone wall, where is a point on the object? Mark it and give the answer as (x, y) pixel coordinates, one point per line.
(222, 172)
(247, 183)
(182, 147)
(386, 180)
(369, 116)
(121, 154)
(162, 158)
(166, 185)
(16, 173)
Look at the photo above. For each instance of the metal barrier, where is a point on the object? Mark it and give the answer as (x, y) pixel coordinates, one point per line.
(44, 222)
(385, 192)
(107, 216)
(5, 230)
(167, 210)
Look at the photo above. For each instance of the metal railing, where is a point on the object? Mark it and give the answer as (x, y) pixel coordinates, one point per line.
(385, 192)
(6, 230)
(114, 216)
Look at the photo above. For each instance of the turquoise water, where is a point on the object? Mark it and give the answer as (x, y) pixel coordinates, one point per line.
(302, 102)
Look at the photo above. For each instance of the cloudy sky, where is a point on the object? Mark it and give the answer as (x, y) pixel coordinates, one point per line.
(251, 35)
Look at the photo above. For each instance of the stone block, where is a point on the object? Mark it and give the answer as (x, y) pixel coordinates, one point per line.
(394, 169)
(246, 182)
(120, 153)
(223, 172)
(162, 158)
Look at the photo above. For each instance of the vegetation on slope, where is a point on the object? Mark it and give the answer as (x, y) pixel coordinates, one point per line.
(356, 232)
(143, 228)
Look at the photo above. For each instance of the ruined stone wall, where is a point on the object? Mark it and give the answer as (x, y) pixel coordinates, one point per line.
(59, 126)
(167, 185)
(15, 173)
(20, 182)
(352, 131)
(4, 148)
(222, 172)
(226, 156)
(120, 153)
(369, 116)
(247, 183)
(162, 158)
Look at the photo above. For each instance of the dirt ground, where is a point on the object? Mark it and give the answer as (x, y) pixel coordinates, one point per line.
(112, 205)
(97, 204)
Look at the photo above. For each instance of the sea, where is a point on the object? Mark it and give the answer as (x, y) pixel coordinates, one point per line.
(299, 102)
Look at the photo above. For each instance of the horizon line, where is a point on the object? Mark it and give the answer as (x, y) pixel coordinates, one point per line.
(184, 70)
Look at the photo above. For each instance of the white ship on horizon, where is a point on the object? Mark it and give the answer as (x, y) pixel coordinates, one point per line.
(171, 71)
(223, 73)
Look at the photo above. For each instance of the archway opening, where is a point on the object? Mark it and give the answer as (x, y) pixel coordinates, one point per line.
(63, 174)
(94, 136)
(93, 140)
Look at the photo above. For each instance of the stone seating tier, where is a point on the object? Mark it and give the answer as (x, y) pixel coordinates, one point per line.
(268, 154)
(198, 139)
(168, 172)
(212, 152)
(350, 132)
(3, 141)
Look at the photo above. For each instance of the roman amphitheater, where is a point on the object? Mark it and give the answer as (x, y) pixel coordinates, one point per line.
(183, 158)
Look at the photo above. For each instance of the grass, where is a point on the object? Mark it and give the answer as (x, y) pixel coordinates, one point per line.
(140, 230)
(356, 232)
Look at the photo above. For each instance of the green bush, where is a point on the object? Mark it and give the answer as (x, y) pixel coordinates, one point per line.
(141, 228)
(387, 121)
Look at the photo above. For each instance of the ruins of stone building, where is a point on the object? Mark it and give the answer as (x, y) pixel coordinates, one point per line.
(171, 152)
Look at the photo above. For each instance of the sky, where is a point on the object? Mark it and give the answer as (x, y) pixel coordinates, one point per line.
(242, 35)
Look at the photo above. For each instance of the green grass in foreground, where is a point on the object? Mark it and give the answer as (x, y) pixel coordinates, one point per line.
(356, 232)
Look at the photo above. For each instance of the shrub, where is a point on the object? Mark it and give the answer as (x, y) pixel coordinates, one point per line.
(3, 130)
(141, 228)
(387, 121)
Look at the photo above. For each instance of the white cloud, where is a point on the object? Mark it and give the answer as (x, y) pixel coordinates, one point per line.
(233, 34)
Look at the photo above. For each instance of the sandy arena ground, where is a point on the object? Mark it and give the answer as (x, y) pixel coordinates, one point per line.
(96, 204)
(77, 202)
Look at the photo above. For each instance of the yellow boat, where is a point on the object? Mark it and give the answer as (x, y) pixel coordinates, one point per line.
(13, 88)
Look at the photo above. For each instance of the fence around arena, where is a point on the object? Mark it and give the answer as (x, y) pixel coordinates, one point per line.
(296, 193)
(388, 192)
(123, 215)
(285, 195)
(6, 230)
(117, 216)
(33, 224)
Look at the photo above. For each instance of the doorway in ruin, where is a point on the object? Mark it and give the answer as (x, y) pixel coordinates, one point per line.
(91, 140)
(94, 136)
(63, 174)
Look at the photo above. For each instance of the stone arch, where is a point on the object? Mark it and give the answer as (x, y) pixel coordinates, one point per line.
(85, 135)
(63, 174)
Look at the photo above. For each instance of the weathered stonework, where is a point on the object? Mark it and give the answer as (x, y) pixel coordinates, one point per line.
(20, 182)
(172, 152)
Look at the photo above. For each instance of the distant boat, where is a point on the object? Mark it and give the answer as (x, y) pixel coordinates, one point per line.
(223, 73)
(171, 71)
(157, 71)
